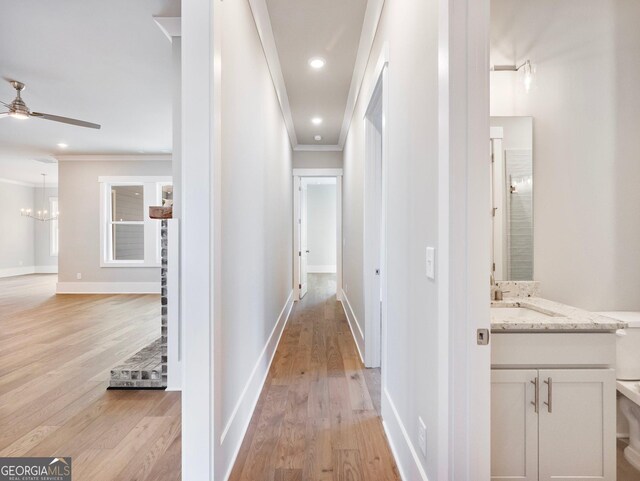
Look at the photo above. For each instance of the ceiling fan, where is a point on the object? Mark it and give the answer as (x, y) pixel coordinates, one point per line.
(19, 110)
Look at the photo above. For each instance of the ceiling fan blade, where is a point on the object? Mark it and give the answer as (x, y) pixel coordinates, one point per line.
(65, 120)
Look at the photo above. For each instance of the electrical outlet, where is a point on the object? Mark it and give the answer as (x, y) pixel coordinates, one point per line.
(422, 436)
(20, 263)
(79, 275)
(431, 263)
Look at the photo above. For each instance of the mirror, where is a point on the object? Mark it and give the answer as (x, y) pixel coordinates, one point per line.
(512, 198)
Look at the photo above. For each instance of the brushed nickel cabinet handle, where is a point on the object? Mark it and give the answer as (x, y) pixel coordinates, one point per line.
(536, 397)
(549, 402)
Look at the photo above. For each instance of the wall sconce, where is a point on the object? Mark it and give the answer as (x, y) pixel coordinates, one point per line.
(527, 70)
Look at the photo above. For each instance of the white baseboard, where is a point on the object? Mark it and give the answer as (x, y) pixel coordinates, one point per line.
(403, 450)
(26, 270)
(354, 325)
(236, 428)
(17, 271)
(322, 269)
(108, 288)
(46, 269)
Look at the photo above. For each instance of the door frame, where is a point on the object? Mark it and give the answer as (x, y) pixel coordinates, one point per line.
(375, 304)
(298, 174)
(464, 231)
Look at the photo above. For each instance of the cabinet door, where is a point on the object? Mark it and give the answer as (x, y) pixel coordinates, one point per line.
(577, 424)
(514, 425)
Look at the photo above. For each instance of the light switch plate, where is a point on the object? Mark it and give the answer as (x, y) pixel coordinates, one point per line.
(431, 262)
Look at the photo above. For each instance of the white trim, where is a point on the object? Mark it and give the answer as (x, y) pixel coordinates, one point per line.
(174, 325)
(200, 218)
(108, 288)
(262, 20)
(134, 179)
(246, 405)
(367, 37)
(170, 26)
(496, 133)
(322, 269)
(375, 288)
(298, 176)
(357, 333)
(17, 271)
(339, 259)
(114, 158)
(407, 460)
(317, 172)
(26, 270)
(24, 184)
(45, 269)
(318, 148)
(464, 386)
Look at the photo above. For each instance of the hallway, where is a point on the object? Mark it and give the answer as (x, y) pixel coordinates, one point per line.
(315, 419)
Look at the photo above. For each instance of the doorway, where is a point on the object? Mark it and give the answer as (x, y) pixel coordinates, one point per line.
(317, 219)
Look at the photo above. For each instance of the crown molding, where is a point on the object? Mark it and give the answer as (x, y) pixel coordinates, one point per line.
(114, 158)
(262, 20)
(369, 29)
(170, 26)
(317, 148)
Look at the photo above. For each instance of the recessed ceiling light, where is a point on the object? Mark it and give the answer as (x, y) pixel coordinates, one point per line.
(317, 63)
(316, 120)
(318, 138)
(62, 145)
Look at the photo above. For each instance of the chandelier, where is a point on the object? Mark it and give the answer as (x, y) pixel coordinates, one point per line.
(42, 215)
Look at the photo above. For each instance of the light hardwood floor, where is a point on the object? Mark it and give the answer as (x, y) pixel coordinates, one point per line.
(315, 419)
(55, 356)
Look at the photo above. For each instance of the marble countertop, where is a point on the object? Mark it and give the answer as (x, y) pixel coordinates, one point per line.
(563, 318)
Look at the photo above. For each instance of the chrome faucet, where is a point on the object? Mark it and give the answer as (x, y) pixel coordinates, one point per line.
(497, 293)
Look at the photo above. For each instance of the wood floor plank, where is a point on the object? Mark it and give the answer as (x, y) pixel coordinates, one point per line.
(56, 352)
(315, 420)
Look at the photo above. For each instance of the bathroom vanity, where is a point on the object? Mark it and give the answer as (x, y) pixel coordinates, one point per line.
(553, 408)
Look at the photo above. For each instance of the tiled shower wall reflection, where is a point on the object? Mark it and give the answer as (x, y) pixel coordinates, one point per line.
(519, 174)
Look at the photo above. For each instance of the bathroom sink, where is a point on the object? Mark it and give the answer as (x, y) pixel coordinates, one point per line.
(501, 313)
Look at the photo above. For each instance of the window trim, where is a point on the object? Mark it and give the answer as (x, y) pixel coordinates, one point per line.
(151, 226)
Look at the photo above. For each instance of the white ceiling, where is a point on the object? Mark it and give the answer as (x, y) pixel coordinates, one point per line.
(330, 29)
(102, 61)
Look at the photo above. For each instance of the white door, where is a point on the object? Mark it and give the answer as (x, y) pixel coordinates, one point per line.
(577, 424)
(514, 425)
(373, 230)
(304, 243)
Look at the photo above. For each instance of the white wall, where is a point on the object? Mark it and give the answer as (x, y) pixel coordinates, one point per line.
(43, 260)
(584, 103)
(317, 160)
(256, 229)
(17, 238)
(321, 227)
(79, 200)
(411, 29)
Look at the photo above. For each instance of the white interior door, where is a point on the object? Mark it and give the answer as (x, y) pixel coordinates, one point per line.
(304, 242)
(373, 230)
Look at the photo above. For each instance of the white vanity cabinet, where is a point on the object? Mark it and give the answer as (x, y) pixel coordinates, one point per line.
(553, 410)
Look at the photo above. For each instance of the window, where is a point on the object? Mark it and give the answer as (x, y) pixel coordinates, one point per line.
(53, 228)
(129, 238)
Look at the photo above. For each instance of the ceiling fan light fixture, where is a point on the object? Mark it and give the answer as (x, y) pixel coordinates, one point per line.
(18, 115)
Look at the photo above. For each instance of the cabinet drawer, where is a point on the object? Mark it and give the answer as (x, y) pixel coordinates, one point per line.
(553, 350)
